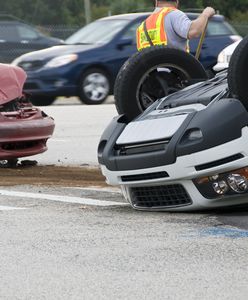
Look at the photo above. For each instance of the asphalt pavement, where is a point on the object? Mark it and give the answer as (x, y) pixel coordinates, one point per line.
(54, 245)
(88, 243)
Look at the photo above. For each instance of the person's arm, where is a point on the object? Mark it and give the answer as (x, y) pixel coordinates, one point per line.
(198, 25)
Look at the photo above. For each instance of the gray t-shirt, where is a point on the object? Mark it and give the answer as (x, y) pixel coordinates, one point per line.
(177, 26)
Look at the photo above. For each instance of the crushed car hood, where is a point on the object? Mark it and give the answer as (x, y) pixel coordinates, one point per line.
(12, 79)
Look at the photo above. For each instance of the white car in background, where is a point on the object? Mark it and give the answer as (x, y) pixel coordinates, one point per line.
(224, 57)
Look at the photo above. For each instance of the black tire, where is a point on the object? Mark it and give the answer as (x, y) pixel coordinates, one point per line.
(94, 86)
(139, 83)
(238, 72)
(42, 100)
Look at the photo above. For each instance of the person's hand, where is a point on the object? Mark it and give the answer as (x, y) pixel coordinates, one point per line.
(208, 12)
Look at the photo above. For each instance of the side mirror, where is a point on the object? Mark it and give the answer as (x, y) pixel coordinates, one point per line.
(124, 42)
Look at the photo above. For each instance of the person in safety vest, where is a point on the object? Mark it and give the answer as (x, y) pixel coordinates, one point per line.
(169, 26)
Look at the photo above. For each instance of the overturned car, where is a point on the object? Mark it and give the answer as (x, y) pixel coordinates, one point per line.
(187, 150)
(24, 129)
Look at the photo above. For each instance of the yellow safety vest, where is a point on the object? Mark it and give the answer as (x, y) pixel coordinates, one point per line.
(155, 29)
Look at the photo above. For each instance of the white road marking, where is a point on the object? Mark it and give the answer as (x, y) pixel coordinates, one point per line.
(10, 208)
(97, 189)
(58, 198)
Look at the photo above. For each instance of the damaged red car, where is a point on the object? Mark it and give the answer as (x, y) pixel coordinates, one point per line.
(24, 129)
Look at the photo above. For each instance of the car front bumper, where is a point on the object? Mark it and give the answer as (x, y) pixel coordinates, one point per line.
(24, 136)
(171, 187)
(49, 86)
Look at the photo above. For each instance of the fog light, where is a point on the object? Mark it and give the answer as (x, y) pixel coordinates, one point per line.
(194, 135)
(191, 135)
(220, 187)
(237, 183)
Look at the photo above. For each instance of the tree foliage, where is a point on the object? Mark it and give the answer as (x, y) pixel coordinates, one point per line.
(71, 12)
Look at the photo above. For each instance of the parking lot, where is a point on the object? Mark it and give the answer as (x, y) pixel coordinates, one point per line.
(67, 235)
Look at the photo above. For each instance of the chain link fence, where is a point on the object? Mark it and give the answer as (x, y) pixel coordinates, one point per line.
(58, 31)
(242, 29)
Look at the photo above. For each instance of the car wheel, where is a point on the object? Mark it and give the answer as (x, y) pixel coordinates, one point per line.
(42, 100)
(151, 74)
(238, 72)
(94, 86)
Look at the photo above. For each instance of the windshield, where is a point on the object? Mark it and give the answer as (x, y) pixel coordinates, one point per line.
(220, 28)
(97, 32)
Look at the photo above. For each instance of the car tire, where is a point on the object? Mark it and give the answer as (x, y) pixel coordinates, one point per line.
(238, 72)
(42, 100)
(94, 86)
(139, 82)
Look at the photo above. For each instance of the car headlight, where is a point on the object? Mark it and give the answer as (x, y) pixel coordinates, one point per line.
(224, 184)
(61, 60)
(222, 57)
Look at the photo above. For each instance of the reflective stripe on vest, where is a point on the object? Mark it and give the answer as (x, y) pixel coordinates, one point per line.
(155, 29)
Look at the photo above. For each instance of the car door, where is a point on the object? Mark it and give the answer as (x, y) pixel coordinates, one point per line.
(125, 45)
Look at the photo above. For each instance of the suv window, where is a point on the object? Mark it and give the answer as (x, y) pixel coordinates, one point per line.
(26, 33)
(219, 28)
(8, 32)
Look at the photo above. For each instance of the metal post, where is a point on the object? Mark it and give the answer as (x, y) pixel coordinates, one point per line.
(87, 11)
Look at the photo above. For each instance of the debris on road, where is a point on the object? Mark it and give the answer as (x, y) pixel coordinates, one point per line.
(52, 175)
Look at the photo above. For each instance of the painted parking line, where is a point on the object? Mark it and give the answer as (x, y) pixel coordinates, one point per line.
(58, 198)
(11, 208)
(96, 189)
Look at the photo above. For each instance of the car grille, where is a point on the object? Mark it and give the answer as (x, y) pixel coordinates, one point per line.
(18, 109)
(31, 65)
(144, 147)
(23, 145)
(148, 176)
(159, 196)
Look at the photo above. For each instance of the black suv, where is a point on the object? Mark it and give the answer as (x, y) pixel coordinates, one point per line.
(17, 38)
